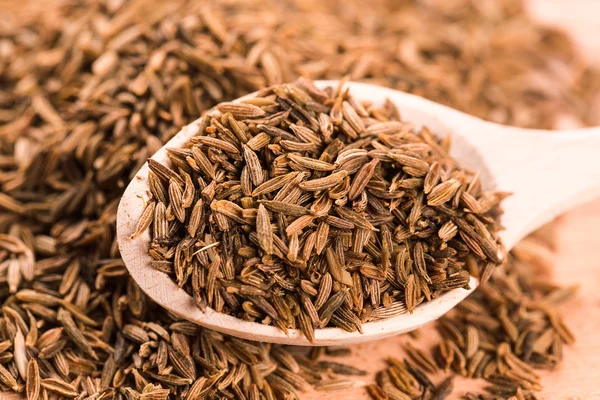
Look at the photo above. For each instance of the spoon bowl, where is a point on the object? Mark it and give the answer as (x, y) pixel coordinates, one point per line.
(547, 172)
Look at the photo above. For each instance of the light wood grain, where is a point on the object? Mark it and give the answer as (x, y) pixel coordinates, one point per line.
(577, 262)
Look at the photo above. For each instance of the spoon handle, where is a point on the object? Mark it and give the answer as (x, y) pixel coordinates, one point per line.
(548, 172)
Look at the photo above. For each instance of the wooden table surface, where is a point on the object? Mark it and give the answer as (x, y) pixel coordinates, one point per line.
(577, 261)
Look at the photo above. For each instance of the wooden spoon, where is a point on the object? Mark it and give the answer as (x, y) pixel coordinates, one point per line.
(548, 172)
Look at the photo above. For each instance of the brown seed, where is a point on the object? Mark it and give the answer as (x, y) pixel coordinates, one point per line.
(377, 392)
(182, 363)
(7, 378)
(33, 380)
(362, 178)
(432, 178)
(285, 208)
(78, 338)
(331, 305)
(306, 326)
(411, 165)
(323, 183)
(486, 245)
(241, 110)
(410, 293)
(259, 141)
(354, 217)
(311, 163)
(447, 231)
(135, 333)
(334, 384)
(299, 224)
(322, 236)
(212, 142)
(386, 127)
(338, 273)
(419, 261)
(202, 162)
(421, 358)
(263, 229)
(52, 349)
(229, 209)
(274, 184)
(164, 173)
(352, 117)
(176, 201)
(472, 341)
(255, 170)
(324, 290)
(10, 204)
(195, 218)
(442, 192)
(293, 248)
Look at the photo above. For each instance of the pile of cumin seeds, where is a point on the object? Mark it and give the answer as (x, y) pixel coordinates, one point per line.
(90, 89)
(304, 208)
(503, 334)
